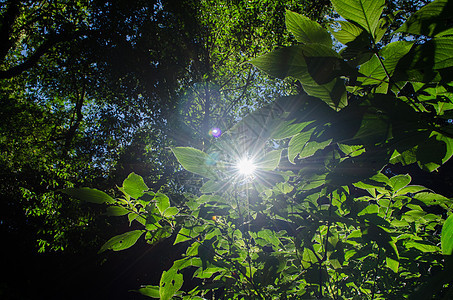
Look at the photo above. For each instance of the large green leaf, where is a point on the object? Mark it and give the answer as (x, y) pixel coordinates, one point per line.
(391, 263)
(150, 291)
(311, 147)
(316, 66)
(134, 186)
(443, 56)
(332, 93)
(373, 70)
(162, 202)
(421, 63)
(170, 282)
(286, 130)
(348, 32)
(399, 181)
(122, 241)
(117, 211)
(297, 143)
(307, 31)
(89, 195)
(447, 236)
(434, 19)
(312, 63)
(284, 62)
(269, 161)
(365, 13)
(195, 161)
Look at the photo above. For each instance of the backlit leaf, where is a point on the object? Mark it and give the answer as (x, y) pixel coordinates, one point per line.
(399, 181)
(170, 282)
(365, 13)
(297, 143)
(88, 195)
(150, 291)
(307, 31)
(116, 211)
(122, 241)
(391, 54)
(393, 264)
(269, 161)
(162, 202)
(170, 212)
(134, 186)
(195, 161)
(433, 19)
(347, 33)
(421, 246)
(447, 236)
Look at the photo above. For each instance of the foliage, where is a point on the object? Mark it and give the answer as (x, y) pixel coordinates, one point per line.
(93, 90)
(326, 222)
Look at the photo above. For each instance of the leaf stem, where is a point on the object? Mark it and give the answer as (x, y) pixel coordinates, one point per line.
(391, 82)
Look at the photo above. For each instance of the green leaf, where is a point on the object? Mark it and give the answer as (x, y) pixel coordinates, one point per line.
(88, 195)
(134, 216)
(311, 147)
(393, 264)
(412, 189)
(332, 93)
(134, 186)
(162, 202)
(446, 239)
(285, 130)
(184, 234)
(116, 211)
(150, 291)
(269, 237)
(195, 161)
(313, 65)
(122, 241)
(430, 198)
(421, 63)
(370, 209)
(170, 283)
(207, 273)
(421, 246)
(434, 19)
(309, 258)
(348, 32)
(374, 72)
(351, 150)
(443, 57)
(399, 181)
(307, 31)
(297, 143)
(170, 212)
(365, 13)
(269, 161)
(284, 62)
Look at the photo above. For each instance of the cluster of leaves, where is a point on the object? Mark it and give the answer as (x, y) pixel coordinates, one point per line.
(326, 222)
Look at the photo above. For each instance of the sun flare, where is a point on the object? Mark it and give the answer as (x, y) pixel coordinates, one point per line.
(246, 166)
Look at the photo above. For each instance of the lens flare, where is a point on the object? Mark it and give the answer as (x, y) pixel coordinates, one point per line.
(246, 166)
(215, 132)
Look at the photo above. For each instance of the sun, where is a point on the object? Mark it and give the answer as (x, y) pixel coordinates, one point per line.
(246, 166)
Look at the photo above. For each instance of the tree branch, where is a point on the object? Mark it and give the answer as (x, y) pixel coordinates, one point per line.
(33, 59)
(76, 118)
(6, 26)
